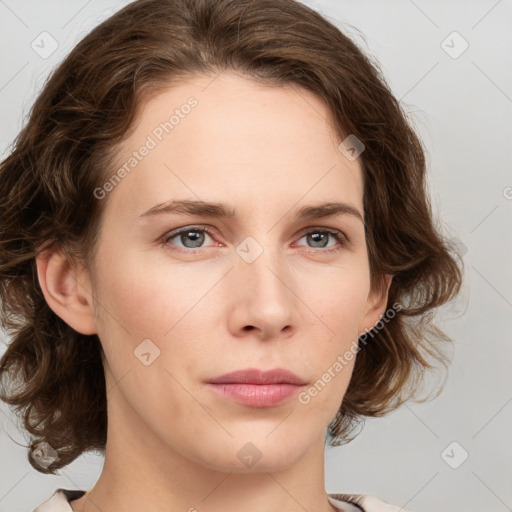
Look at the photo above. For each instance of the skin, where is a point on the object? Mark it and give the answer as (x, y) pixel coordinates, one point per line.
(172, 442)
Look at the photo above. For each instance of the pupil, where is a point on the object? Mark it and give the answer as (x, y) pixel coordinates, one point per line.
(317, 235)
(186, 237)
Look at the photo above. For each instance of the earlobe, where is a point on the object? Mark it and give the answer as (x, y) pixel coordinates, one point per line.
(64, 294)
(376, 303)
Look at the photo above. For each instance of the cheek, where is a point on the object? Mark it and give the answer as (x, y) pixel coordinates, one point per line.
(341, 300)
(336, 310)
(144, 298)
(175, 309)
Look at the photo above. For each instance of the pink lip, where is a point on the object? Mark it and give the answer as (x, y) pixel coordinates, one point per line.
(256, 388)
(255, 376)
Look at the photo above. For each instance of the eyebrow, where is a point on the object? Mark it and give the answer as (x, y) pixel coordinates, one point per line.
(221, 211)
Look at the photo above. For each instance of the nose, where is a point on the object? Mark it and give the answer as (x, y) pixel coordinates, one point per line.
(263, 302)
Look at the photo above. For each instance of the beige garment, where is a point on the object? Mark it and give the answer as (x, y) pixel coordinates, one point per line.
(59, 502)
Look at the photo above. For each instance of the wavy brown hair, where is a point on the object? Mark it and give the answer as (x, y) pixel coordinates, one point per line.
(53, 375)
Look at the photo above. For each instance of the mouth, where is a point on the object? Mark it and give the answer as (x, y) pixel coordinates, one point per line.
(257, 388)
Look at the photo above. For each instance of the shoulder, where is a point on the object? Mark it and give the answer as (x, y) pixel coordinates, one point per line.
(59, 501)
(362, 502)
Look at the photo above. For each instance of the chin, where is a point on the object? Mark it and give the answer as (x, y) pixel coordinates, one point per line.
(257, 456)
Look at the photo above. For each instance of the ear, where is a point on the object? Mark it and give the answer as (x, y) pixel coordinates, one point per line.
(376, 303)
(66, 291)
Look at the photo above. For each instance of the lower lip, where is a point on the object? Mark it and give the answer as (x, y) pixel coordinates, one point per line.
(257, 395)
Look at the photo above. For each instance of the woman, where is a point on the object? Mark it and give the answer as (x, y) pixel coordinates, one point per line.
(216, 248)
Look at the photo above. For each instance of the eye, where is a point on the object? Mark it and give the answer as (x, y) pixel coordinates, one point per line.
(193, 237)
(319, 237)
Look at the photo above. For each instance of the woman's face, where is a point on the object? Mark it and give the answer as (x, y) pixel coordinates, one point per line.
(263, 288)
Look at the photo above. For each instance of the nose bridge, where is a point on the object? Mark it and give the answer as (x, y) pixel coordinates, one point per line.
(260, 259)
(263, 281)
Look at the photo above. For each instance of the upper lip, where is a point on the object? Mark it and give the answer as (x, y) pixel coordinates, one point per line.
(256, 376)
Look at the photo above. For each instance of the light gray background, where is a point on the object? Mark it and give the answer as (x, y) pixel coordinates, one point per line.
(463, 109)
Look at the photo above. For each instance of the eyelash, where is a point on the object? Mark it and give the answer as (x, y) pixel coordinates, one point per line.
(339, 236)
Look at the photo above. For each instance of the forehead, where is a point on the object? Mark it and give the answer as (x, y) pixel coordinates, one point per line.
(213, 138)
